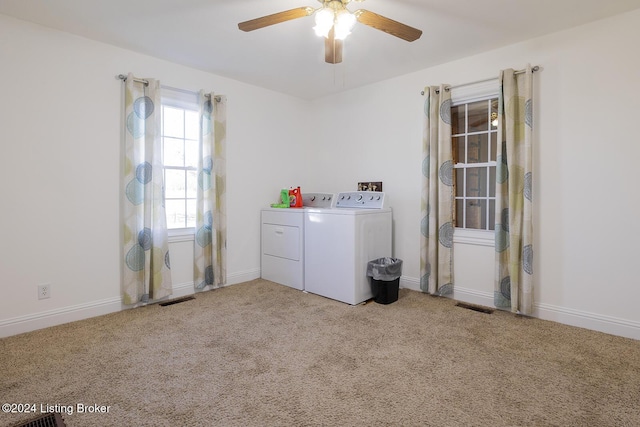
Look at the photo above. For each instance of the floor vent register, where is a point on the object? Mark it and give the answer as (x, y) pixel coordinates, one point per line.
(475, 308)
(49, 420)
(176, 301)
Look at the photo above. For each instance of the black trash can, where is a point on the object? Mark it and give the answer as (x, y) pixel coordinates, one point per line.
(385, 279)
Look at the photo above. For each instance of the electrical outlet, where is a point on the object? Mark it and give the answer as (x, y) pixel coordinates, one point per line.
(44, 291)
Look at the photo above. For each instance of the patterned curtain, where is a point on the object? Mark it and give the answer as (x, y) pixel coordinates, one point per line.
(146, 269)
(514, 227)
(436, 242)
(210, 252)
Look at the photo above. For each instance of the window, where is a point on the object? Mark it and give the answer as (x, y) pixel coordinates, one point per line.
(180, 147)
(474, 131)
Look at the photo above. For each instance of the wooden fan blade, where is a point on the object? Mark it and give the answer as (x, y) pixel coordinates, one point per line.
(387, 25)
(276, 18)
(332, 49)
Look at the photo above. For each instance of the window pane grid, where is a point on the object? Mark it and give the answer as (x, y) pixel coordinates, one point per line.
(474, 147)
(180, 161)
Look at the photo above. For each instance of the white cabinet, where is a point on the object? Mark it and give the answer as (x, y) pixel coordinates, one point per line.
(282, 259)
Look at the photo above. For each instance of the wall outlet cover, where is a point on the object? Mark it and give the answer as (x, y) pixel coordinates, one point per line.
(44, 291)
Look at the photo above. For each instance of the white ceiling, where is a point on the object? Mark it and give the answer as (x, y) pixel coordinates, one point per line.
(288, 57)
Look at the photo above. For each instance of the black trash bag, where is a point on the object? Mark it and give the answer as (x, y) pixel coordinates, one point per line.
(385, 269)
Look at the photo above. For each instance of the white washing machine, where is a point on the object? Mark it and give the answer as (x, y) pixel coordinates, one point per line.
(282, 240)
(339, 242)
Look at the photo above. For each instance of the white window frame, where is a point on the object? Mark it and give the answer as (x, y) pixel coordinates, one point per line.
(184, 100)
(466, 94)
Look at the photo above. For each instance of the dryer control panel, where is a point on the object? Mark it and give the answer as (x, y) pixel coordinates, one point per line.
(361, 200)
(318, 200)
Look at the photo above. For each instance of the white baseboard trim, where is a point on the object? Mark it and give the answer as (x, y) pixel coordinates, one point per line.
(45, 319)
(473, 296)
(243, 276)
(582, 319)
(410, 283)
(182, 290)
(567, 316)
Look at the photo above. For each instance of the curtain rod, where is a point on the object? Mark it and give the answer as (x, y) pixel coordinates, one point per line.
(146, 83)
(533, 69)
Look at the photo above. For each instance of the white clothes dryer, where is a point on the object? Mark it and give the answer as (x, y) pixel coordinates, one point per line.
(282, 240)
(339, 243)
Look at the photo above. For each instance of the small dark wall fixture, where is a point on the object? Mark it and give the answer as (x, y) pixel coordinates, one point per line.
(370, 186)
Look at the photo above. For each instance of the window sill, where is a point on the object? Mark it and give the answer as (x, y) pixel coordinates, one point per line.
(181, 235)
(474, 237)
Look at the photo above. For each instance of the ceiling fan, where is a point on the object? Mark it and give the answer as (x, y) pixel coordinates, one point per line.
(334, 22)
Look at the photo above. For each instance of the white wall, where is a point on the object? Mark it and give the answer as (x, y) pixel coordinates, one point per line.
(585, 184)
(60, 133)
(60, 110)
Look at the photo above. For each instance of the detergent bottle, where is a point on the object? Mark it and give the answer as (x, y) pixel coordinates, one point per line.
(295, 197)
(284, 200)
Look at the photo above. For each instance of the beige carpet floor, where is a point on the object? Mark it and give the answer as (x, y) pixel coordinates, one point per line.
(262, 354)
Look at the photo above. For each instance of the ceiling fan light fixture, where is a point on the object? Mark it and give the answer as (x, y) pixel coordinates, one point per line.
(344, 23)
(324, 22)
(334, 22)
